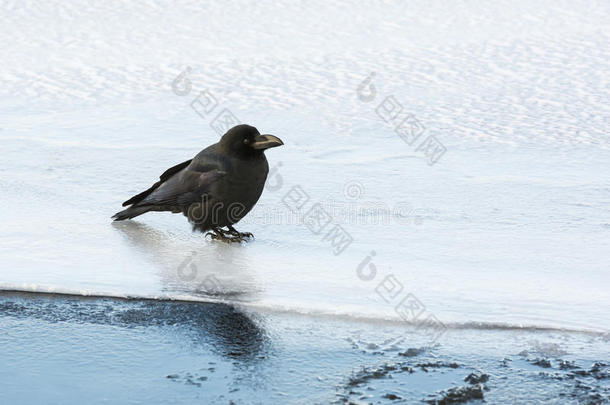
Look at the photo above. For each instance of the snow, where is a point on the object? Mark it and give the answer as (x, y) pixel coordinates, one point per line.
(509, 226)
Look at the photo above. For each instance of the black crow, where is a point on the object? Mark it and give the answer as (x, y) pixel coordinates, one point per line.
(216, 188)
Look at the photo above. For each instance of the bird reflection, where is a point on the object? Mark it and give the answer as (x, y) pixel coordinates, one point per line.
(225, 328)
(191, 266)
(222, 328)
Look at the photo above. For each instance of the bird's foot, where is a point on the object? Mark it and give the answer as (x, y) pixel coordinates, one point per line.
(224, 238)
(243, 235)
(228, 236)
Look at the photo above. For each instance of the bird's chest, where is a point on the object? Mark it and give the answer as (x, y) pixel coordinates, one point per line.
(244, 182)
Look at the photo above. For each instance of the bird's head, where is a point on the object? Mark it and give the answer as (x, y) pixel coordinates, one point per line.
(245, 140)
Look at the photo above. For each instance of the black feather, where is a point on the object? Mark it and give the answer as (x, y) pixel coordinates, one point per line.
(166, 175)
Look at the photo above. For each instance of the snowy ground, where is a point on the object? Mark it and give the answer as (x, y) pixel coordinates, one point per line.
(503, 222)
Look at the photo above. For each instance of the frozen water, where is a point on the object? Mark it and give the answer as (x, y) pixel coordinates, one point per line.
(510, 226)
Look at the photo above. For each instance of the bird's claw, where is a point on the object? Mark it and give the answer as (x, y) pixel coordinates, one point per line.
(231, 236)
(226, 239)
(242, 235)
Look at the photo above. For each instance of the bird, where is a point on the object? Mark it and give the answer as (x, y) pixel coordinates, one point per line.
(216, 188)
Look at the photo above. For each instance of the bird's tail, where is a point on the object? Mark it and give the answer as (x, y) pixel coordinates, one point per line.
(129, 213)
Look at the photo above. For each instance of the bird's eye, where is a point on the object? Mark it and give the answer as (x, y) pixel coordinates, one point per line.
(246, 141)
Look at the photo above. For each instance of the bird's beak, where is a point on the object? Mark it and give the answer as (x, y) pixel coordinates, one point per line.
(266, 141)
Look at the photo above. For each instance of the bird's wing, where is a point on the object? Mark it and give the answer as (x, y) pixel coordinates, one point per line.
(185, 188)
(164, 177)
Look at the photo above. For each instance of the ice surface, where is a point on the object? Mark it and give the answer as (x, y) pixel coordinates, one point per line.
(59, 349)
(510, 226)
